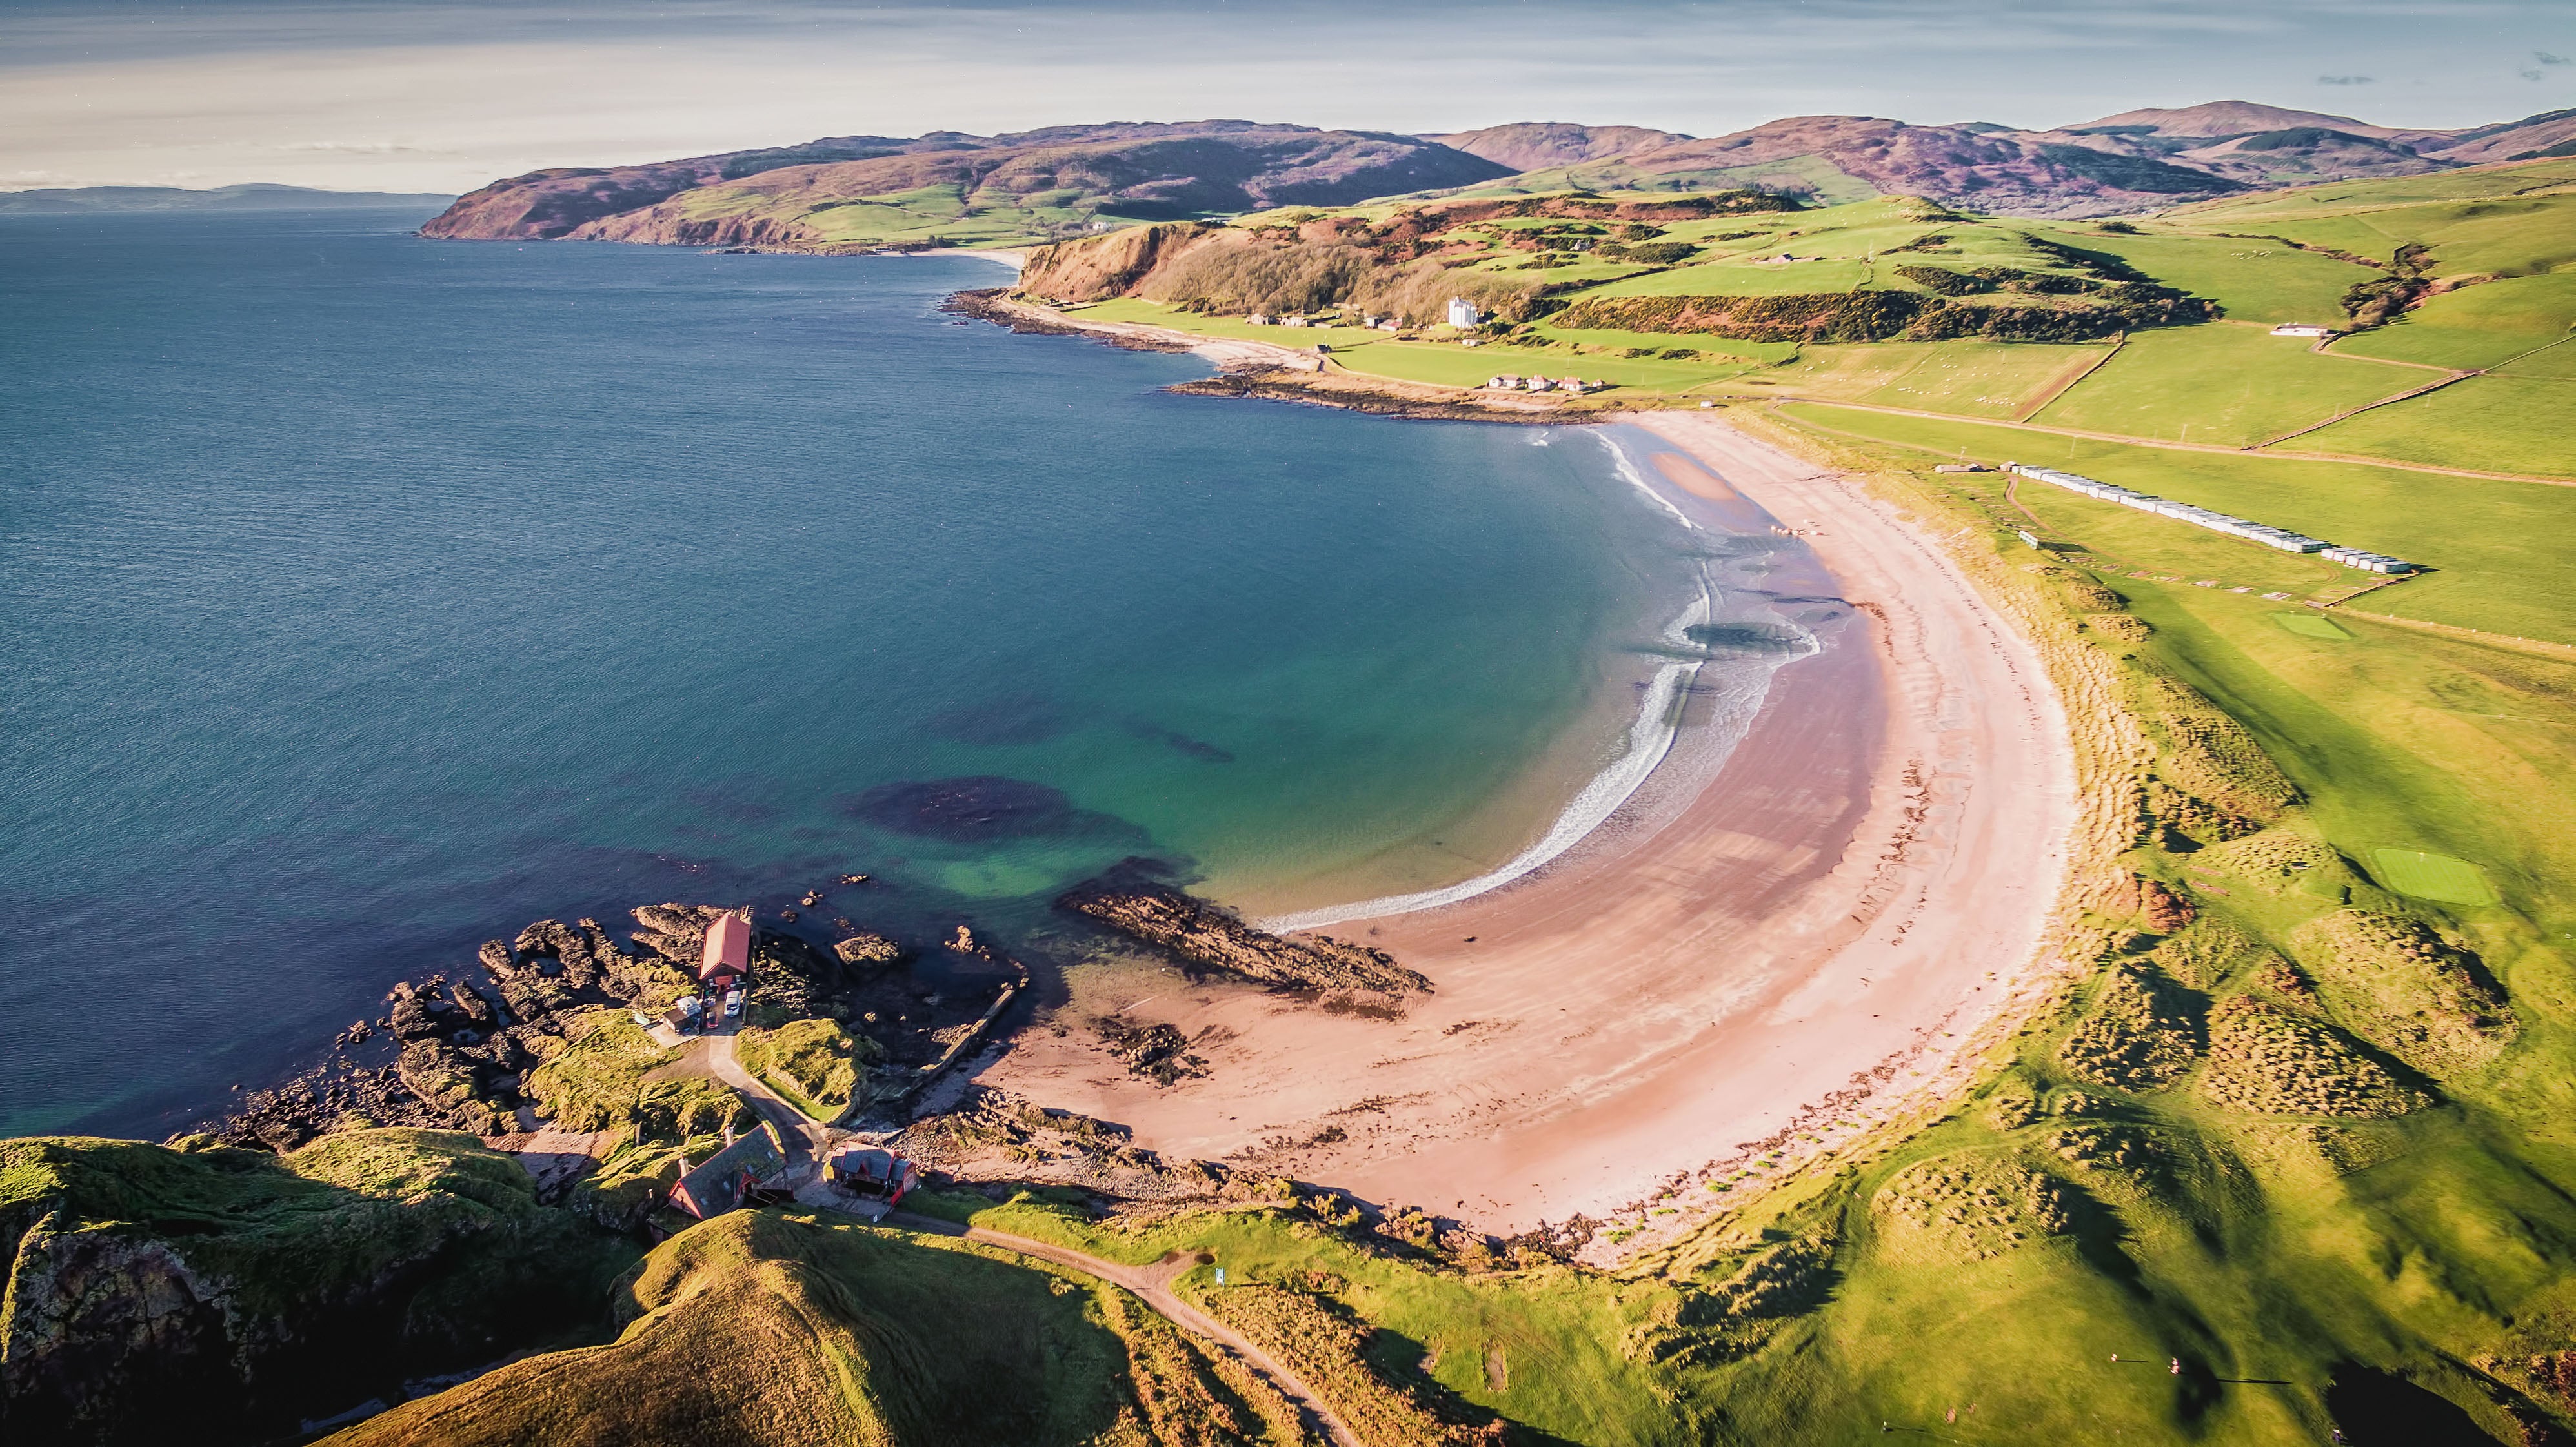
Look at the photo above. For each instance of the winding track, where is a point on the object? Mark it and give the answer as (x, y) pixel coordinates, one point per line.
(1151, 1285)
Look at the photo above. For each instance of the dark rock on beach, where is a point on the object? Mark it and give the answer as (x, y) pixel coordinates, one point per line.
(1210, 938)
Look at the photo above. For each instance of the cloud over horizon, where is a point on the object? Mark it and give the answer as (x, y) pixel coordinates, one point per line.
(448, 94)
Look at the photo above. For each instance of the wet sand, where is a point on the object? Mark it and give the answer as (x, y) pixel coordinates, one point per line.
(1864, 880)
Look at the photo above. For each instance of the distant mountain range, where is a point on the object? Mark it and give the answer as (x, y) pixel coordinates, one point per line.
(75, 200)
(1051, 179)
(2134, 161)
(949, 188)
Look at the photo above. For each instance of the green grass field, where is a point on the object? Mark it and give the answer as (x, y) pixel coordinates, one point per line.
(2497, 545)
(1970, 378)
(1447, 364)
(2501, 423)
(2485, 325)
(1722, 278)
(2313, 625)
(1455, 366)
(2436, 877)
(1713, 347)
(2220, 383)
(2256, 280)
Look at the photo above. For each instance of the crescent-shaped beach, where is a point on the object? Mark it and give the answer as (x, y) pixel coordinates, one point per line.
(1866, 880)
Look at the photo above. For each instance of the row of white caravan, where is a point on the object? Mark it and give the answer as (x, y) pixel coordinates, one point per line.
(2218, 522)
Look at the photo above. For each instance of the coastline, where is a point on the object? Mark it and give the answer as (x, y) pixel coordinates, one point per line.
(1691, 712)
(1822, 926)
(1272, 372)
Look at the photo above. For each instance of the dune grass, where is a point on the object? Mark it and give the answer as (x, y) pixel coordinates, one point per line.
(2293, 1266)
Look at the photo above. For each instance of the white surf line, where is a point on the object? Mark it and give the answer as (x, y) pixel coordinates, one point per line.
(1636, 478)
(1650, 742)
(1650, 738)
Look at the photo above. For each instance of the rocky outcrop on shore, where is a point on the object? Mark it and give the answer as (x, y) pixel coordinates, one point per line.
(1207, 937)
(452, 1054)
(995, 305)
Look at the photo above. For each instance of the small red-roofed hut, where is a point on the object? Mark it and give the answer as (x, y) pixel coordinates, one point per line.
(727, 955)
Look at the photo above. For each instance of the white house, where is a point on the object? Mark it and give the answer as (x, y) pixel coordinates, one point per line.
(1463, 313)
(2302, 329)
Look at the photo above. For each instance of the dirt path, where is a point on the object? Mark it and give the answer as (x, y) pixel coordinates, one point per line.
(795, 1127)
(1153, 1286)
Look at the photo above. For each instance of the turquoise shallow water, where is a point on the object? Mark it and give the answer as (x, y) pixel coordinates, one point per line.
(368, 597)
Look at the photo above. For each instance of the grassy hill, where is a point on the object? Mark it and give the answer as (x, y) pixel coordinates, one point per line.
(759, 1328)
(228, 1294)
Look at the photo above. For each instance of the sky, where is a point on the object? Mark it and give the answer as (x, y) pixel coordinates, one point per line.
(445, 95)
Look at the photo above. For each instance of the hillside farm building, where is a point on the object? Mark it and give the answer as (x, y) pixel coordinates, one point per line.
(874, 1172)
(2218, 522)
(1463, 313)
(1510, 383)
(723, 1181)
(2302, 329)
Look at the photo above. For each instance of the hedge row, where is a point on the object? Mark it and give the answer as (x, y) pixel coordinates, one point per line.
(1882, 316)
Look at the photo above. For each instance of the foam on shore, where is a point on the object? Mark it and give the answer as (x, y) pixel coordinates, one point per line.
(1651, 743)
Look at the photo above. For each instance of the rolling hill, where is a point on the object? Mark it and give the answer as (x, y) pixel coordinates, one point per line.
(948, 188)
(1850, 158)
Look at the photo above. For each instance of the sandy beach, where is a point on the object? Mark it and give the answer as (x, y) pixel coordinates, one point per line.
(1864, 881)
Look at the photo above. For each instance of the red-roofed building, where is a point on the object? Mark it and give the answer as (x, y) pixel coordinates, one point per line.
(727, 955)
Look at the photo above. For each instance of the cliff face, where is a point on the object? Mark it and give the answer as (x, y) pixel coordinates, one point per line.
(1105, 266)
(97, 1318)
(226, 1295)
(1042, 181)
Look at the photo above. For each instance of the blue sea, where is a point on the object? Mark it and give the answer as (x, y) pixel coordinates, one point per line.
(368, 597)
